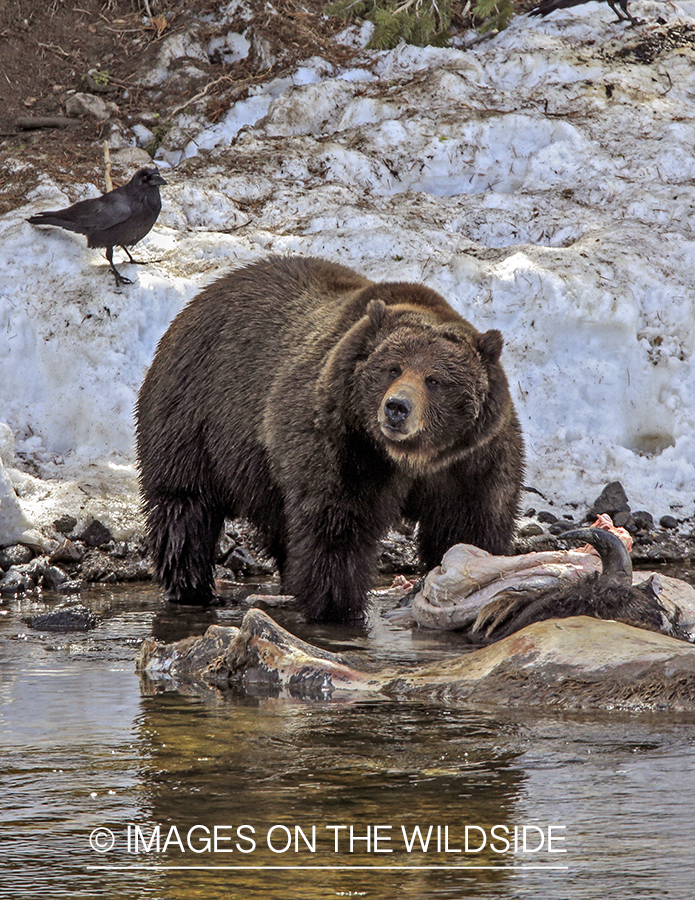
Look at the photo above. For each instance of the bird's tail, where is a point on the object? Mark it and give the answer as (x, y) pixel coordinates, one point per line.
(52, 218)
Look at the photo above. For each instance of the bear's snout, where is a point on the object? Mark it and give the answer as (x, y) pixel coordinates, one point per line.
(397, 409)
(400, 414)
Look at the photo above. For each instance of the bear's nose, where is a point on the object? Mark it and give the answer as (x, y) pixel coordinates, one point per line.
(397, 410)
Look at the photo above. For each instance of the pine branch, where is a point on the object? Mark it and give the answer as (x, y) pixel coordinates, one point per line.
(417, 22)
(493, 15)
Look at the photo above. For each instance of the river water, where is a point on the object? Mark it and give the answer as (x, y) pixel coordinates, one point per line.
(111, 789)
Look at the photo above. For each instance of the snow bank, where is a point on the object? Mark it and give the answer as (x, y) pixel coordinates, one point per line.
(541, 181)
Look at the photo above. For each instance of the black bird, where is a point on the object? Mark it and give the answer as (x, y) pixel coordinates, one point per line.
(120, 218)
(545, 7)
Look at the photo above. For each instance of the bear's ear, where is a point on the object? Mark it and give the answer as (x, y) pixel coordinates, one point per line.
(376, 310)
(490, 345)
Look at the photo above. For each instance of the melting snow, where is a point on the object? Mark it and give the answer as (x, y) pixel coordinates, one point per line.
(543, 184)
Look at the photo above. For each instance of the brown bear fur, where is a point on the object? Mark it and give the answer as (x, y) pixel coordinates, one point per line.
(323, 407)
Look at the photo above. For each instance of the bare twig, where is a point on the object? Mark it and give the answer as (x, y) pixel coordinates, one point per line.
(107, 168)
(212, 84)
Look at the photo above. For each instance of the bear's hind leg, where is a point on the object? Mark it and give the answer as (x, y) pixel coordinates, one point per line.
(182, 536)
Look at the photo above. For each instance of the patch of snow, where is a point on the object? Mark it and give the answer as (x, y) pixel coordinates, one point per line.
(174, 48)
(357, 37)
(230, 47)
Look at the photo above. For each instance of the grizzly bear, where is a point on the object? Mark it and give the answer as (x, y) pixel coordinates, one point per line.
(323, 407)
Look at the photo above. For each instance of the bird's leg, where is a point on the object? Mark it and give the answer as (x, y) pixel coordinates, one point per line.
(626, 15)
(136, 262)
(120, 279)
(614, 6)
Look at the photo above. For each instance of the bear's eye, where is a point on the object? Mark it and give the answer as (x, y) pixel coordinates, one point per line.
(432, 382)
(394, 371)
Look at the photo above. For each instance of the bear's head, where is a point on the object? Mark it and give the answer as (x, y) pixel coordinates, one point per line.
(430, 388)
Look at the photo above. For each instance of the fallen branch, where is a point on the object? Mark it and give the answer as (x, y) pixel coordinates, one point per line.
(27, 123)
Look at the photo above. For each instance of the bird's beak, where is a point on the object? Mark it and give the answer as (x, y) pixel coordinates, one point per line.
(156, 179)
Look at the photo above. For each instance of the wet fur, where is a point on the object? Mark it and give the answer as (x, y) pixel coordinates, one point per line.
(593, 596)
(608, 595)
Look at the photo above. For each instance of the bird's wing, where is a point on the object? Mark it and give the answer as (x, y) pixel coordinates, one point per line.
(100, 213)
(545, 7)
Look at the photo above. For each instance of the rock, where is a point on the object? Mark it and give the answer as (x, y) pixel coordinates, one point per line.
(225, 546)
(118, 134)
(99, 567)
(529, 529)
(668, 522)
(623, 519)
(33, 569)
(14, 582)
(260, 655)
(80, 104)
(134, 570)
(67, 552)
(64, 524)
(24, 576)
(96, 566)
(561, 526)
(241, 561)
(611, 500)
(137, 543)
(577, 663)
(644, 521)
(15, 555)
(131, 158)
(96, 534)
(53, 577)
(397, 553)
(270, 601)
(223, 574)
(64, 619)
(73, 586)
(662, 550)
(546, 517)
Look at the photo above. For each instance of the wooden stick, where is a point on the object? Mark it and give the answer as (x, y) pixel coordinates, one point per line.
(26, 123)
(107, 168)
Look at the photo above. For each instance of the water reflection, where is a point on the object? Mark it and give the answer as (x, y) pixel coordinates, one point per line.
(314, 766)
(83, 748)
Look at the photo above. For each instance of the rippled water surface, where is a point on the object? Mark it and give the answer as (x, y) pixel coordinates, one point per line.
(89, 752)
